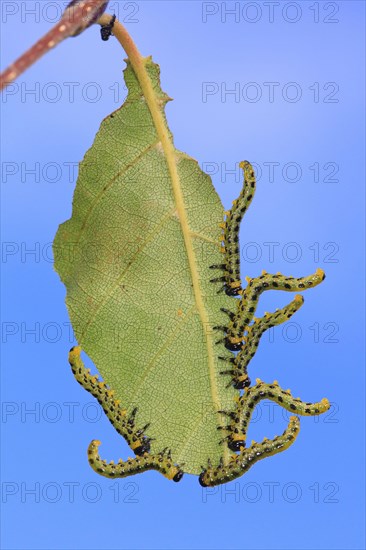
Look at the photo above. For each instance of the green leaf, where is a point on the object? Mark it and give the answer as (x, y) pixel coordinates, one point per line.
(135, 258)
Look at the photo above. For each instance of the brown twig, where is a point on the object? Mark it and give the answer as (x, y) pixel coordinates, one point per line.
(79, 15)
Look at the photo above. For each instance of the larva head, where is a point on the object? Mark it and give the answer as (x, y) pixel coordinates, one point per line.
(178, 476)
(242, 382)
(233, 291)
(233, 346)
(142, 446)
(201, 480)
(236, 445)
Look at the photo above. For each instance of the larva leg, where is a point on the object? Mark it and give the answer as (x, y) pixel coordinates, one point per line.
(239, 464)
(240, 418)
(250, 296)
(238, 371)
(122, 422)
(230, 228)
(161, 462)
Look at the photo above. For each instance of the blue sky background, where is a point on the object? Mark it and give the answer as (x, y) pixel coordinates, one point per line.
(311, 210)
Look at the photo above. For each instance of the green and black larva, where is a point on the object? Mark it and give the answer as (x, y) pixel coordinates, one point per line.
(125, 426)
(242, 334)
(239, 363)
(247, 306)
(240, 417)
(240, 463)
(230, 235)
(237, 429)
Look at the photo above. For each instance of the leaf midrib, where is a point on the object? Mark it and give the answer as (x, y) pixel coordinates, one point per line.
(170, 155)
